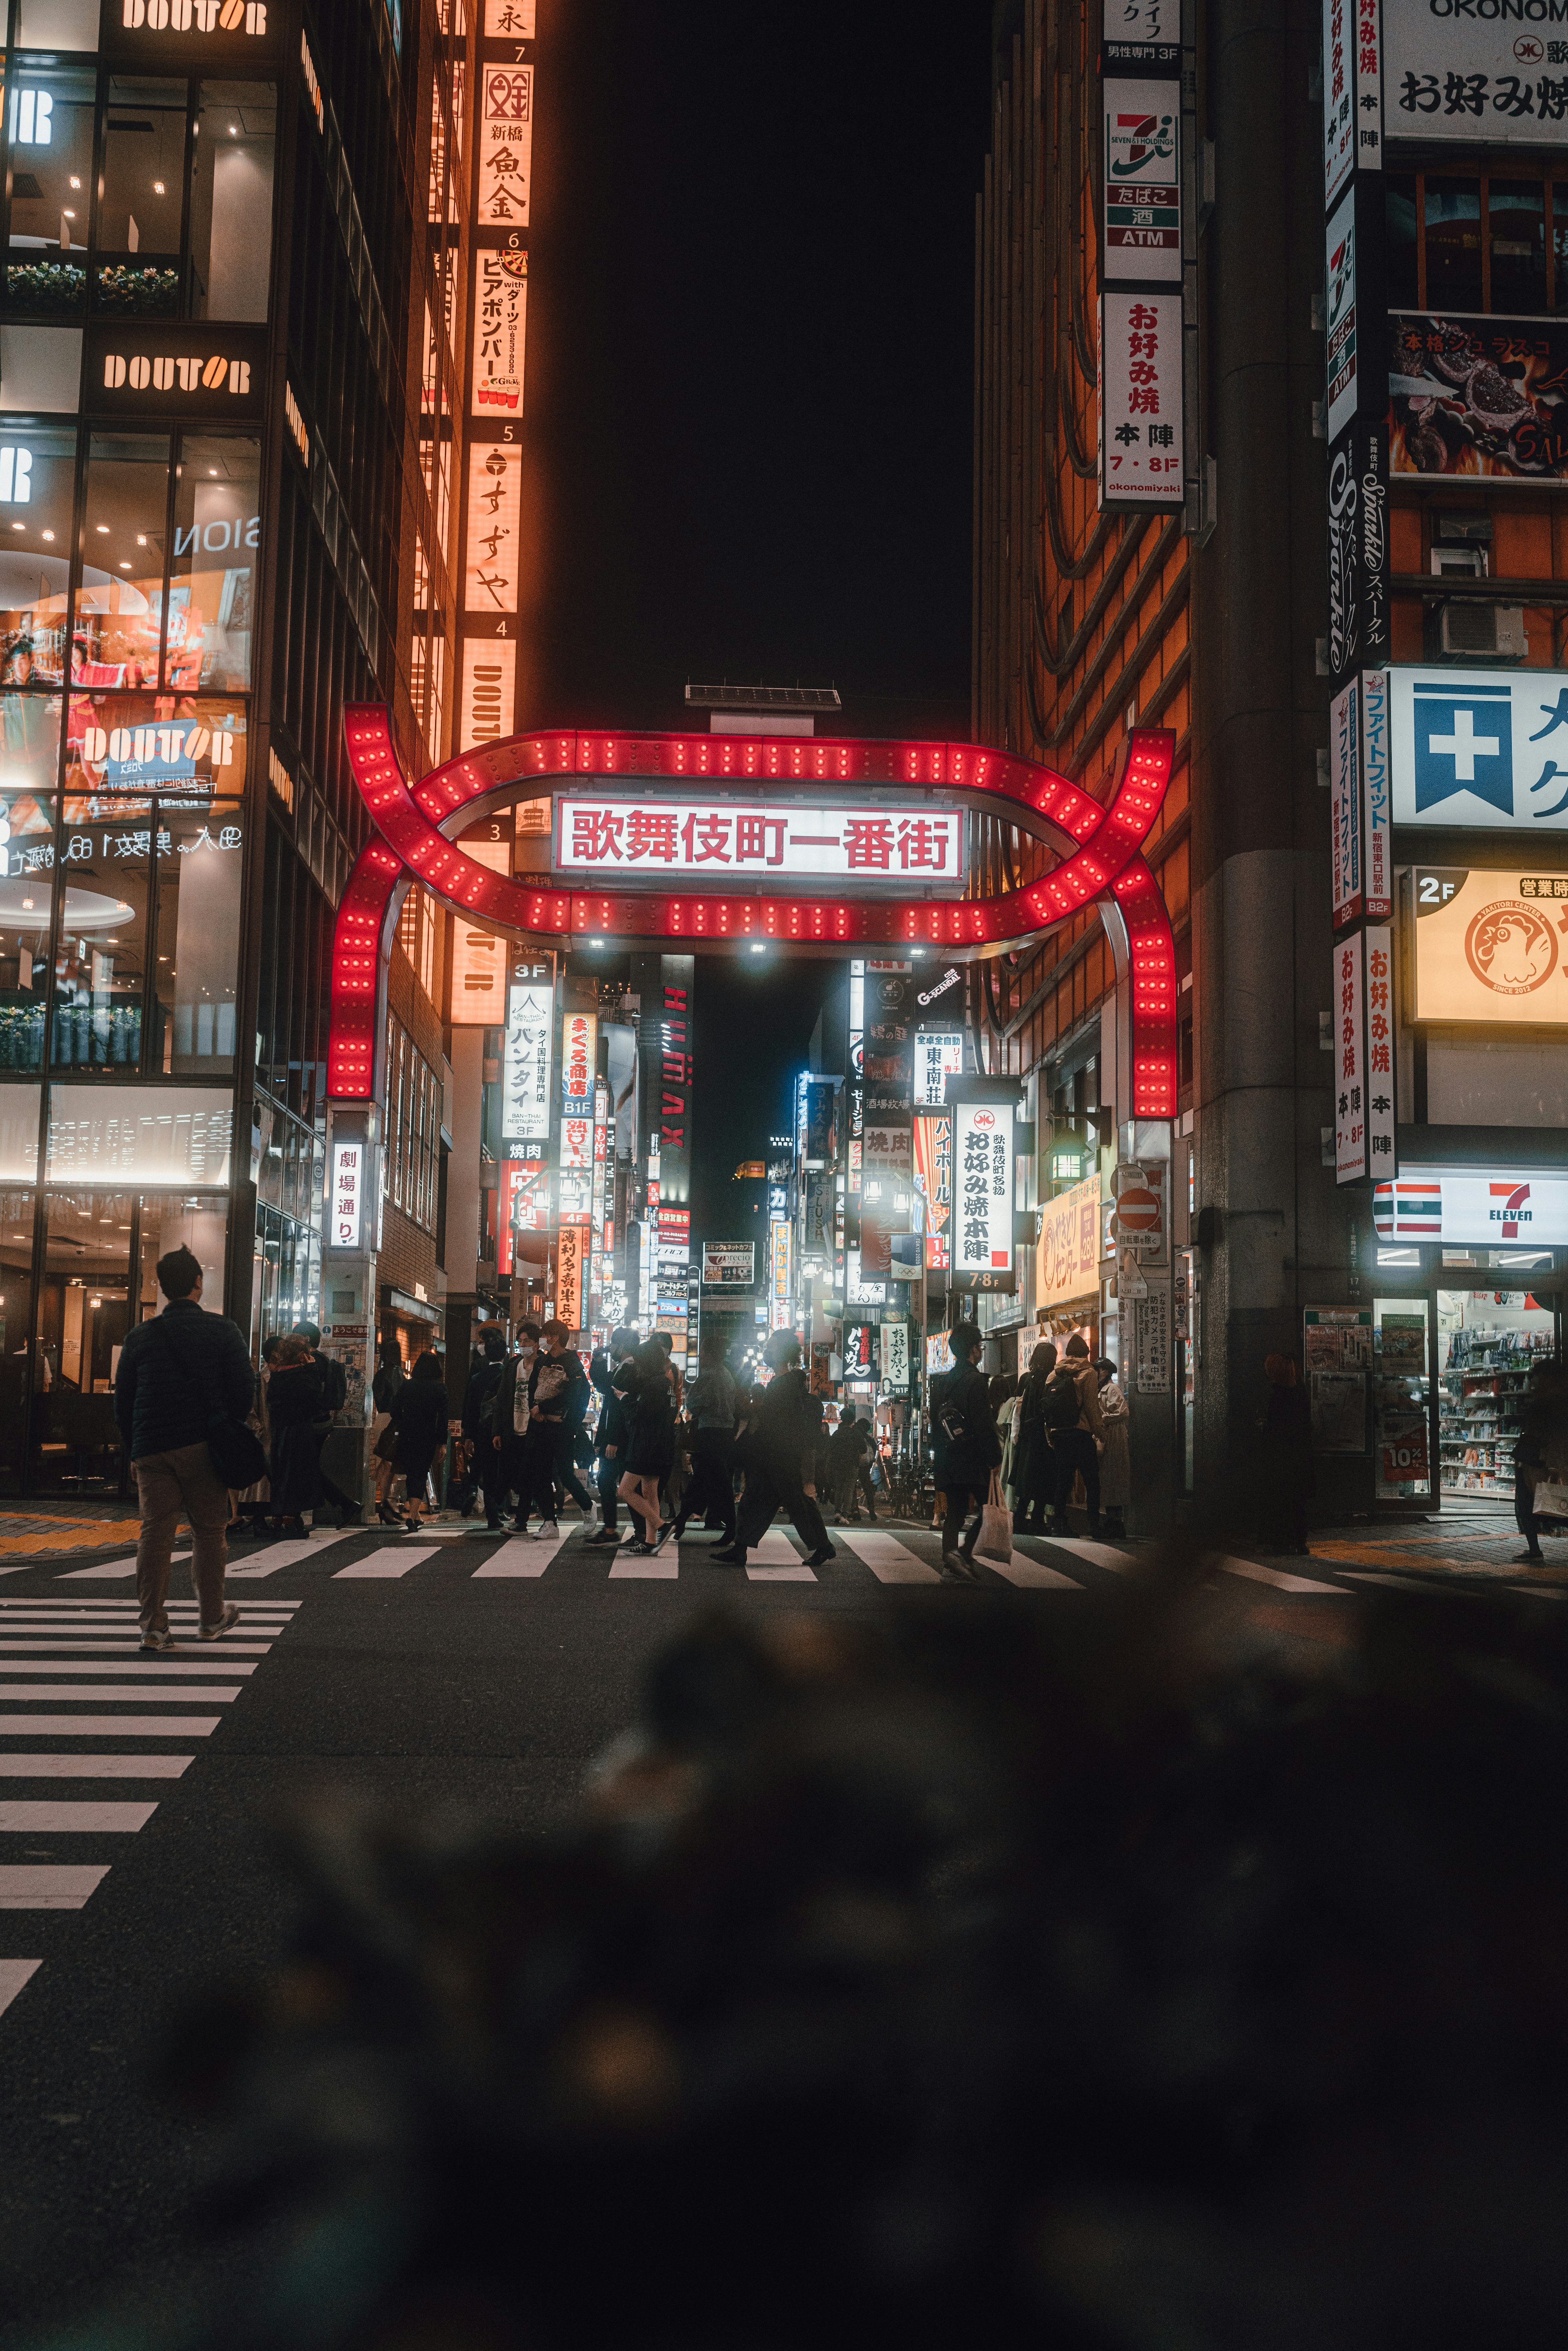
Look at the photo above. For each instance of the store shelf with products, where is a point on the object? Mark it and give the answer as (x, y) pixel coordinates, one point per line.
(1488, 1355)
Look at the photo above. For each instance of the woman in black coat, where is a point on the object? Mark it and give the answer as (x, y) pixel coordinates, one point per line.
(644, 1384)
(419, 1417)
(295, 1397)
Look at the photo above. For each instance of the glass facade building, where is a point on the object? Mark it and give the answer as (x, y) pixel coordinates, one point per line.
(212, 513)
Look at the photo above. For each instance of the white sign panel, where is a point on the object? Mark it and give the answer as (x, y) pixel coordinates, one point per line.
(345, 1216)
(1502, 1205)
(1363, 1047)
(1142, 182)
(1353, 92)
(500, 331)
(729, 1265)
(1140, 399)
(526, 1064)
(495, 529)
(938, 1055)
(506, 145)
(1152, 1348)
(1142, 32)
(1340, 344)
(983, 1187)
(1490, 947)
(486, 692)
(1344, 802)
(757, 842)
(1377, 803)
(509, 20)
(895, 1355)
(1480, 71)
(1483, 748)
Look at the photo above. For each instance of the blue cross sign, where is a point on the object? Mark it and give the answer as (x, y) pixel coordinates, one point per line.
(1463, 742)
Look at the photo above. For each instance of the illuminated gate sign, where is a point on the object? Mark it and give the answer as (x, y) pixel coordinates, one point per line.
(649, 838)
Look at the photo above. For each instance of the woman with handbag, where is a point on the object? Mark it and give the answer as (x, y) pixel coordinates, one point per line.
(1540, 1462)
(644, 1384)
(294, 1400)
(419, 1418)
(389, 1378)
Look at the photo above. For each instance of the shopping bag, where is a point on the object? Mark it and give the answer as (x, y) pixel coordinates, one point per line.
(996, 1537)
(1550, 1500)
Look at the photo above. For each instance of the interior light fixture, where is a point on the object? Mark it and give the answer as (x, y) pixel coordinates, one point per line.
(68, 215)
(125, 567)
(757, 947)
(48, 534)
(142, 538)
(158, 190)
(18, 526)
(75, 182)
(213, 472)
(102, 530)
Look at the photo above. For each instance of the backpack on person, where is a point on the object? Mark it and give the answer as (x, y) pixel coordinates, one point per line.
(1061, 1406)
(951, 1415)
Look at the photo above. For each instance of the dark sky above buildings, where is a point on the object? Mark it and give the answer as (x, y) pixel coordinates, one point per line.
(750, 366)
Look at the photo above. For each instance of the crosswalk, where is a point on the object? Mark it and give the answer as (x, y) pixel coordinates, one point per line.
(72, 1678)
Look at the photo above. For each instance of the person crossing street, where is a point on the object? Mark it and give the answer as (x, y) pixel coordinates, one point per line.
(782, 1462)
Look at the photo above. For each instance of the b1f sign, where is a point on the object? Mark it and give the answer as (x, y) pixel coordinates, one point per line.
(983, 1194)
(346, 1212)
(1363, 1050)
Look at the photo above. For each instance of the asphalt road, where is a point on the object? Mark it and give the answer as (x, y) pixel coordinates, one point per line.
(415, 1675)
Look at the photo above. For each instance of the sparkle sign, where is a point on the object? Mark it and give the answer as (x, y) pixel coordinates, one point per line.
(649, 839)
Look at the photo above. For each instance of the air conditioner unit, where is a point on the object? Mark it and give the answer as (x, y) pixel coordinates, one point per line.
(1476, 632)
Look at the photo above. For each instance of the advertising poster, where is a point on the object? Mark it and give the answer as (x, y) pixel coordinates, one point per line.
(983, 1194)
(1490, 947)
(1337, 1353)
(1342, 387)
(1479, 748)
(1142, 182)
(1067, 1254)
(1151, 1350)
(728, 1265)
(500, 330)
(1482, 72)
(1140, 444)
(1474, 397)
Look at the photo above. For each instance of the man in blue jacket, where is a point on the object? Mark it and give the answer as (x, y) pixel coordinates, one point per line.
(176, 1372)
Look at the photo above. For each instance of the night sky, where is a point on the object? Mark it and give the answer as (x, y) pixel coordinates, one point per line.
(750, 363)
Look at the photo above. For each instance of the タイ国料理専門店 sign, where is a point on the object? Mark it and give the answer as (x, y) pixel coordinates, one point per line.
(1142, 182)
(1140, 436)
(757, 844)
(526, 1063)
(1490, 947)
(1485, 749)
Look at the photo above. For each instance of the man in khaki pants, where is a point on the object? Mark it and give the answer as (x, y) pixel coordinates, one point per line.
(176, 1371)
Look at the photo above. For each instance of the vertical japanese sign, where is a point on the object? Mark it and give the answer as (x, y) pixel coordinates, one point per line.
(1358, 548)
(895, 1355)
(1142, 33)
(578, 1059)
(501, 319)
(347, 1195)
(1142, 182)
(934, 1180)
(1341, 321)
(983, 1203)
(506, 145)
(1140, 399)
(570, 1245)
(938, 1055)
(487, 692)
(781, 1300)
(1364, 1092)
(495, 529)
(526, 1062)
(1377, 803)
(1344, 803)
(1352, 92)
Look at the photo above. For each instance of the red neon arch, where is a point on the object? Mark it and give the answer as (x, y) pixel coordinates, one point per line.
(1102, 845)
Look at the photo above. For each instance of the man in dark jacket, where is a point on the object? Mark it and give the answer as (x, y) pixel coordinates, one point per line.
(567, 1411)
(610, 1438)
(174, 1372)
(849, 1449)
(782, 1462)
(334, 1397)
(971, 1448)
(483, 1382)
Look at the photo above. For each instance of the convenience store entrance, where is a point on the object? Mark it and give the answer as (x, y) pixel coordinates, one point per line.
(1451, 1372)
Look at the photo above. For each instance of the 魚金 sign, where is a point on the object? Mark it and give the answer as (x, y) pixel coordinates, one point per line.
(1490, 947)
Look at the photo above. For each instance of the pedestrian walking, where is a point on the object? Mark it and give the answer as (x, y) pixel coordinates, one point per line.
(1115, 1454)
(1073, 1434)
(334, 1397)
(483, 1382)
(612, 1434)
(971, 1448)
(252, 1507)
(294, 1405)
(1286, 1468)
(176, 1371)
(644, 1385)
(1034, 1464)
(388, 1379)
(511, 1407)
(1002, 1397)
(849, 1452)
(781, 1463)
(558, 1395)
(419, 1418)
(1540, 1456)
(710, 1405)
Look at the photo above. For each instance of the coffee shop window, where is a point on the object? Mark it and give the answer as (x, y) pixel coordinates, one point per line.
(100, 959)
(142, 192)
(37, 491)
(48, 119)
(196, 958)
(212, 592)
(26, 893)
(16, 1307)
(115, 641)
(84, 1313)
(231, 199)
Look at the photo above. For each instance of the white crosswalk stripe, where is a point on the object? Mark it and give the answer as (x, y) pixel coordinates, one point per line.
(662, 1568)
(48, 1886)
(289, 1553)
(888, 1561)
(160, 1667)
(94, 1693)
(1033, 1574)
(1282, 1581)
(1098, 1554)
(525, 1554)
(110, 1570)
(389, 1562)
(111, 1726)
(94, 1767)
(775, 1560)
(34, 1817)
(69, 1645)
(14, 1974)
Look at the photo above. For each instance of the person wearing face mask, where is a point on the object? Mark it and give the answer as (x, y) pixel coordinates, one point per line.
(511, 1407)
